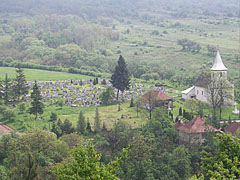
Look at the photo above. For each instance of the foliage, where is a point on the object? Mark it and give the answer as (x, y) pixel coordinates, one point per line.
(37, 105)
(29, 155)
(131, 103)
(20, 86)
(191, 104)
(188, 45)
(85, 164)
(53, 117)
(72, 140)
(97, 122)
(81, 124)
(6, 90)
(120, 78)
(107, 96)
(225, 163)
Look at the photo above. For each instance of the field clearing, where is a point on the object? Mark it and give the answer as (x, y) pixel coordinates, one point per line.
(41, 75)
(108, 114)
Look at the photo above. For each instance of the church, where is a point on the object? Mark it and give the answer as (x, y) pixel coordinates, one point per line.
(212, 84)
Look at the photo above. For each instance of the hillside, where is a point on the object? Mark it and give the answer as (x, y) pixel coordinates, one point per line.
(91, 35)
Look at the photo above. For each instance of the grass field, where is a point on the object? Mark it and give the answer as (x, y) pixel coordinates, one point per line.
(108, 114)
(41, 75)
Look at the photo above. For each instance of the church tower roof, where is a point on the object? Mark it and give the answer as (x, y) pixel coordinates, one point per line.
(218, 63)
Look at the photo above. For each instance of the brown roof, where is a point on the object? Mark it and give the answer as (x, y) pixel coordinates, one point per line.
(232, 128)
(196, 125)
(178, 124)
(158, 95)
(5, 129)
(203, 80)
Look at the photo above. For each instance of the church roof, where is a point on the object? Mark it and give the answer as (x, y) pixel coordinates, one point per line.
(196, 125)
(203, 80)
(188, 90)
(218, 64)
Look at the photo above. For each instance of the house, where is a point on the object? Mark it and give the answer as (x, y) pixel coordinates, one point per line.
(232, 128)
(158, 98)
(194, 131)
(217, 78)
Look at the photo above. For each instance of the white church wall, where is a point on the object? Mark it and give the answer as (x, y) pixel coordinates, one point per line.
(201, 94)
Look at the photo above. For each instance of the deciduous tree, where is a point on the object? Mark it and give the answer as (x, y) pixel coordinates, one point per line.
(85, 164)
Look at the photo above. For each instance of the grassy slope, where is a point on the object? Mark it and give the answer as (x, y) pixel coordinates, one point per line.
(41, 75)
(163, 49)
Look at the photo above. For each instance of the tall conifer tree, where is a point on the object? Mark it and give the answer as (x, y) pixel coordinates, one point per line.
(120, 78)
(81, 124)
(20, 87)
(97, 123)
(37, 105)
(6, 90)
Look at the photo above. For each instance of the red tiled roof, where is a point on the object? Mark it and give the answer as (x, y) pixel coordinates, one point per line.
(178, 124)
(232, 128)
(196, 125)
(5, 129)
(159, 95)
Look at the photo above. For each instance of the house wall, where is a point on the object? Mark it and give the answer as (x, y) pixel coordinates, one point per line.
(201, 94)
(194, 138)
(189, 94)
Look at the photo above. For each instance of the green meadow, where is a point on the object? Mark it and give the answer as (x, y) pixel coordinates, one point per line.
(41, 75)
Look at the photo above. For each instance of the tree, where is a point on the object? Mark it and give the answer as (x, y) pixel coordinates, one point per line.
(131, 103)
(37, 105)
(191, 104)
(1, 90)
(138, 104)
(85, 164)
(149, 102)
(72, 139)
(211, 50)
(219, 92)
(225, 163)
(89, 127)
(180, 111)
(53, 116)
(8, 114)
(33, 151)
(7, 90)
(107, 96)
(181, 162)
(81, 124)
(120, 78)
(97, 122)
(20, 86)
(67, 127)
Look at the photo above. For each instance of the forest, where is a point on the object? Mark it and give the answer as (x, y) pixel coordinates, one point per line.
(78, 81)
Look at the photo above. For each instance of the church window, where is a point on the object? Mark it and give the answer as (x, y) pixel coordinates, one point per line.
(197, 91)
(220, 74)
(202, 92)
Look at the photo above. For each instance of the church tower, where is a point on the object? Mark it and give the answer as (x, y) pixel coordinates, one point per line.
(218, 69)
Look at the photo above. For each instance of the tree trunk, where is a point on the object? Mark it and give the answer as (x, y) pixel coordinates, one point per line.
(150, 115)
(117, 94)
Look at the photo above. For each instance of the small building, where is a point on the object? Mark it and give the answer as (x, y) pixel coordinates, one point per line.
(232, 128)
(158, 98)
(194, 131)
